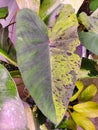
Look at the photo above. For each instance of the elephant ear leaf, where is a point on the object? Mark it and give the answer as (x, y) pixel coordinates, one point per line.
(65, 52)
(40, 63)
(10, 104)
(33, 59)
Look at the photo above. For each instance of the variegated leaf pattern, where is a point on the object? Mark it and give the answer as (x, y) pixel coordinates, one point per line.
(49, 74)
(65, 58)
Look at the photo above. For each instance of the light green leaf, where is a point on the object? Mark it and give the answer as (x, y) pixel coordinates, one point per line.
(12, 114)
(3, 12)
(90, 41)
(90, 22)
(88, 109)
(88, 93)
(93, 5)
(79, 86)
(82, 121)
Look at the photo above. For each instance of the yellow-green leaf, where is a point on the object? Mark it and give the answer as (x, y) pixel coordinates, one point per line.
(88, 93)
(90, 22)
(71, 124)
(88, 109)
(64, 58)
(79, 86)
(82, 121)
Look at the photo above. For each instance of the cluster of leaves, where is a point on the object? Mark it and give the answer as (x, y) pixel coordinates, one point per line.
(81, 108)
(48, 54)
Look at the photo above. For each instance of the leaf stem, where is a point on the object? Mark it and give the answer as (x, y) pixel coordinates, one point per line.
(6, 56)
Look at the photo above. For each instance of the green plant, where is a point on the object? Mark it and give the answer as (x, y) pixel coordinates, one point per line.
(48, 54)
(81, 108)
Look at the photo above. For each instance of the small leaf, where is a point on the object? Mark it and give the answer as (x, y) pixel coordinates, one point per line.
(88, 93)
(71, 124)
(79, 86)
(63, 124)
(88, 109)
(3, 12)
(90, 22)
(90, 41)
(83, 19)
(93, 5)
(82, 121)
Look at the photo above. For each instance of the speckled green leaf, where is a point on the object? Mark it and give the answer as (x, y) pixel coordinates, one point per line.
(12, 114)
(65, 59)
(51, 88)
(33, 60)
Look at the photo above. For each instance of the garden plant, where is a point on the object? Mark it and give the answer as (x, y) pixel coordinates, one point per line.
(49, 60)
